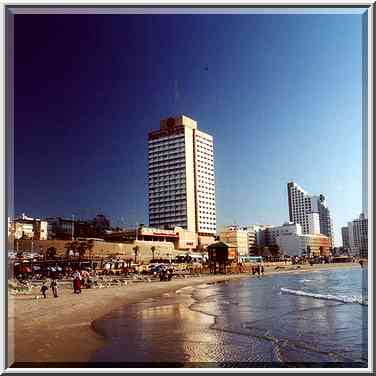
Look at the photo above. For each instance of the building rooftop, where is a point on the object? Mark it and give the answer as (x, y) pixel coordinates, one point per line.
(297, 186)
(175, 121)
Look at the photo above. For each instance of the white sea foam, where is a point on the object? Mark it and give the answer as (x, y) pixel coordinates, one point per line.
(340, 298)
(305, 280)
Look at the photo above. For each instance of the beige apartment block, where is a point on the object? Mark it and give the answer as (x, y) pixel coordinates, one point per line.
(236, 237)
(27, 228)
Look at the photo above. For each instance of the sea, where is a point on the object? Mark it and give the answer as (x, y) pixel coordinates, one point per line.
(310, 319)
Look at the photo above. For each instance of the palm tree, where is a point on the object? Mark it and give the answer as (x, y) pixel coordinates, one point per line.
(153, 251)
(136, 249)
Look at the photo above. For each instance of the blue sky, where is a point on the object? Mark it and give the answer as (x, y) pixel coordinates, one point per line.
(282, 97)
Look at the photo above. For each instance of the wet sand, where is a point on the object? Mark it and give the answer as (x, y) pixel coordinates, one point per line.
(59, 330)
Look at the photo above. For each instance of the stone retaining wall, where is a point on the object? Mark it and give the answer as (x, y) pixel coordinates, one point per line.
(125, 250)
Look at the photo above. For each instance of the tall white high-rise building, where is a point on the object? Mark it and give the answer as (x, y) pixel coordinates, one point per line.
(357, 231)
(181, 177)
(311, 212)
(313, 223)
(345, 238)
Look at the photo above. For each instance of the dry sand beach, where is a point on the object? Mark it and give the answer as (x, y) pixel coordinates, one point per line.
(60, 330)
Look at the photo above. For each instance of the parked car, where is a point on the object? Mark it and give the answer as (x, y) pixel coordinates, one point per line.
(156, 269)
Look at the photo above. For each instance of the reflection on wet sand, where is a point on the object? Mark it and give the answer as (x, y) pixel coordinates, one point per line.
(245, 322)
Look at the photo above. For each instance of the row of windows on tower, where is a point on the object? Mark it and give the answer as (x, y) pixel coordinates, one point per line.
(181, 206)
(167, 177)
(173, 163)
(172, 212)
(167, 217)
(209, 175)
(166, 146)
(206, 201)
(204, 151)
(166, 157)
(166, 141)
(207, 215)
(160, 166)
(204, 156)
(202, 163)
(166, 200)
(209, 189)
(164, 194)
(163, 223)
(164, 184)
(206, 226)
(204, 143)
(167, 170)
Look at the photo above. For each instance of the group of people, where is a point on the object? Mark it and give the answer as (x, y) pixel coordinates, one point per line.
(77, 282)
(53, 287)
(258, 269)
(166, 274)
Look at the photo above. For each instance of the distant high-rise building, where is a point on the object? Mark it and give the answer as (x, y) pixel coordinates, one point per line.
(306, 210)
(345, 238)
(358, 236)
(181, 177)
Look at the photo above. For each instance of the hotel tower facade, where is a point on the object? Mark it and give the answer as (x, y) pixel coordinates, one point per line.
(181, 177)
(311, 212)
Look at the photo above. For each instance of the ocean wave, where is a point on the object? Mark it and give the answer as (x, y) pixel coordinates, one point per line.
(343, 299)
(305, 280)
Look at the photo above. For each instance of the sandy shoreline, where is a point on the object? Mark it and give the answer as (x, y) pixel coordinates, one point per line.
(60, 330)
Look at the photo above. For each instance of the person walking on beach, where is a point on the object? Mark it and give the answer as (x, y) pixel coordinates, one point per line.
(170, 273)
(262, 270)
(163, 275)
(76, 283)
(259, 270)
(54, 287)
(44, 289)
